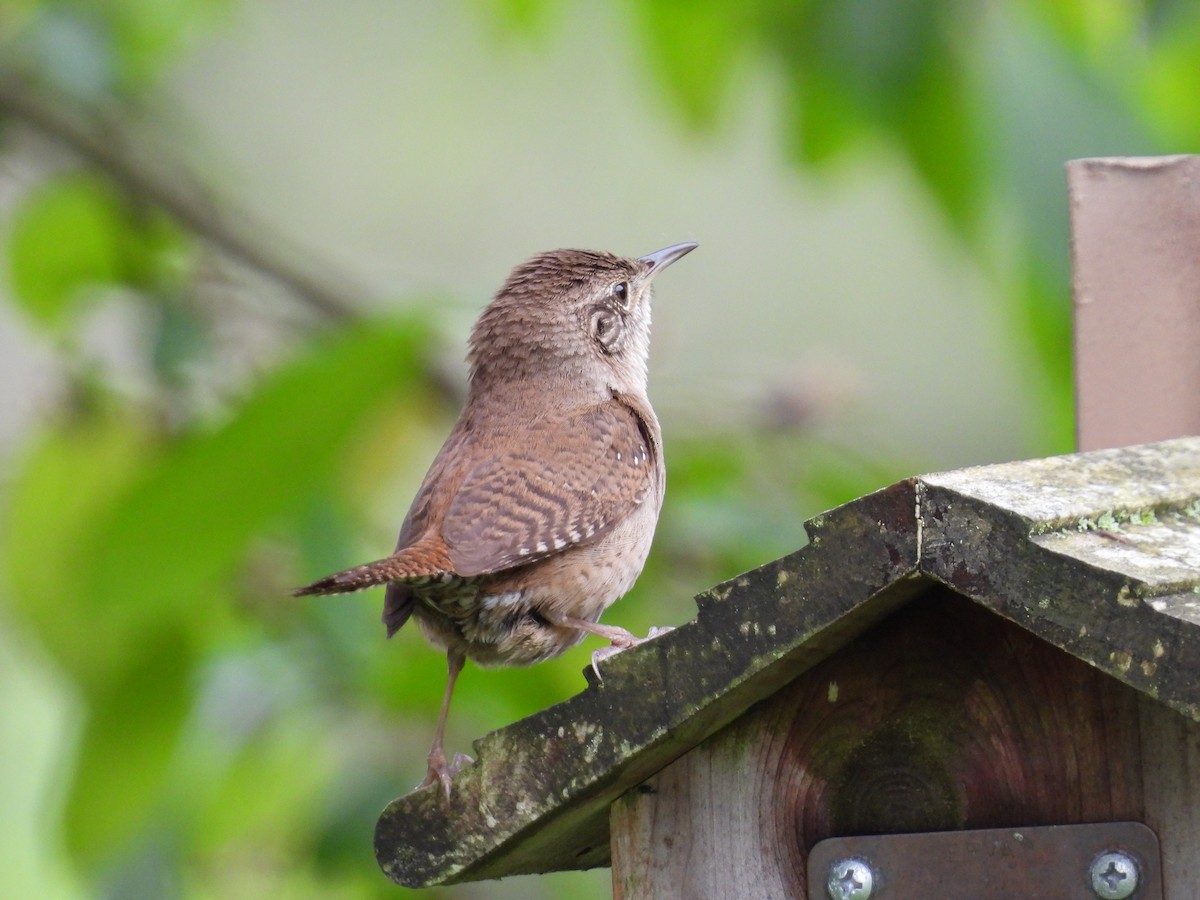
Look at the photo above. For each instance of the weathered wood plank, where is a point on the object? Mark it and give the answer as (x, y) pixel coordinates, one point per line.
(1020, 539)
(537, 798)
(1097, 553)
(1171, 785)
(942, 717)
(696, 830)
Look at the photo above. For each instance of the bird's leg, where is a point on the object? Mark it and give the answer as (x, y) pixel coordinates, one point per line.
(619, 639)
(439, 770)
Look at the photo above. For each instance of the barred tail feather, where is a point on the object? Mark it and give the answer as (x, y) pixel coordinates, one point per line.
(425, 559)
(357, 579)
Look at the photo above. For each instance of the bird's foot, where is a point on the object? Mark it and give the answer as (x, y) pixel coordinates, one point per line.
(623, 641)
(441, 772)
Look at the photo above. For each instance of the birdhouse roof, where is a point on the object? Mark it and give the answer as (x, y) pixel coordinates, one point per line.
(1098, 554)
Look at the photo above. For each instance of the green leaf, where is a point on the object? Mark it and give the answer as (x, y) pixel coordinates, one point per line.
(132, 729)
(693, 48)
(271, 788)
(117, 551)
(874, 48)
(149, 36)
(935, 123)
(528, 18)
(1046, 321)
(1167, 94)
(185, 525)
(1097, 32)
(66, 238)
(824, 124)
(67, 482)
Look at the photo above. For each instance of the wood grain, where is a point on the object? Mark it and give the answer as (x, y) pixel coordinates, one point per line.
(1171, 782)
(944, 716)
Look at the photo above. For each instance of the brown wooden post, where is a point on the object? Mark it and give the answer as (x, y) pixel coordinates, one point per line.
(1135, 238)
(1135, 226)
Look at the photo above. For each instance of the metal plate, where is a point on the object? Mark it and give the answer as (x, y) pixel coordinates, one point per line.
(996, 864)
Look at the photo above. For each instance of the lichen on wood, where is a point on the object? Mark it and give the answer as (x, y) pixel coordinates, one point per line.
(1096, 554)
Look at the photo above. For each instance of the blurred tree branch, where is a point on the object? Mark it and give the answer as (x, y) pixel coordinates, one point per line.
(107, 141)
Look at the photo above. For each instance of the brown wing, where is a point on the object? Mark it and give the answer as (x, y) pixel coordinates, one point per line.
(566, 482)
(398, 600)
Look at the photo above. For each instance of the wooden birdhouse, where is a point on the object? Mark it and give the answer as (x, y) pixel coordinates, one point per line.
(983, 683)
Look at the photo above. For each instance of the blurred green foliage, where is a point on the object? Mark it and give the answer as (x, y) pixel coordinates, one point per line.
(235, 742)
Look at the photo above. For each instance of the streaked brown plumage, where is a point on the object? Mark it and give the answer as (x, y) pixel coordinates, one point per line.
(539, 510)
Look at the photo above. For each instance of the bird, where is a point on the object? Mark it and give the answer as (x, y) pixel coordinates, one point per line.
(538, 512)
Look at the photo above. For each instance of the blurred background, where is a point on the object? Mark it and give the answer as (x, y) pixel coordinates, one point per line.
(241, 246)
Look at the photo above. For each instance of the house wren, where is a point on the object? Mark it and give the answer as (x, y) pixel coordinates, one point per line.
(539, 510)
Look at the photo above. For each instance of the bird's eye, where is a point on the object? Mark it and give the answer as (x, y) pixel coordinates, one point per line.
(620, 290)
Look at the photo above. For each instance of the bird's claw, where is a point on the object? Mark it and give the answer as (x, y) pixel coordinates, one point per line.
(442, 772)
(624, 643)
(601, 654)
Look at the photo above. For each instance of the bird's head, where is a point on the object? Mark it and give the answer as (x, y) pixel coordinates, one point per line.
(571, 320)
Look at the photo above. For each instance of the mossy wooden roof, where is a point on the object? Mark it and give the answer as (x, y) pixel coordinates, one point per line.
(1096, 553)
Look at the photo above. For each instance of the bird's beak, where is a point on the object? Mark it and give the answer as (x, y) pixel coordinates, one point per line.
(660, 259)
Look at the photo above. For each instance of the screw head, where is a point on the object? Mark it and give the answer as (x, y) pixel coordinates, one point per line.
(850, 879)
(1114, 875)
